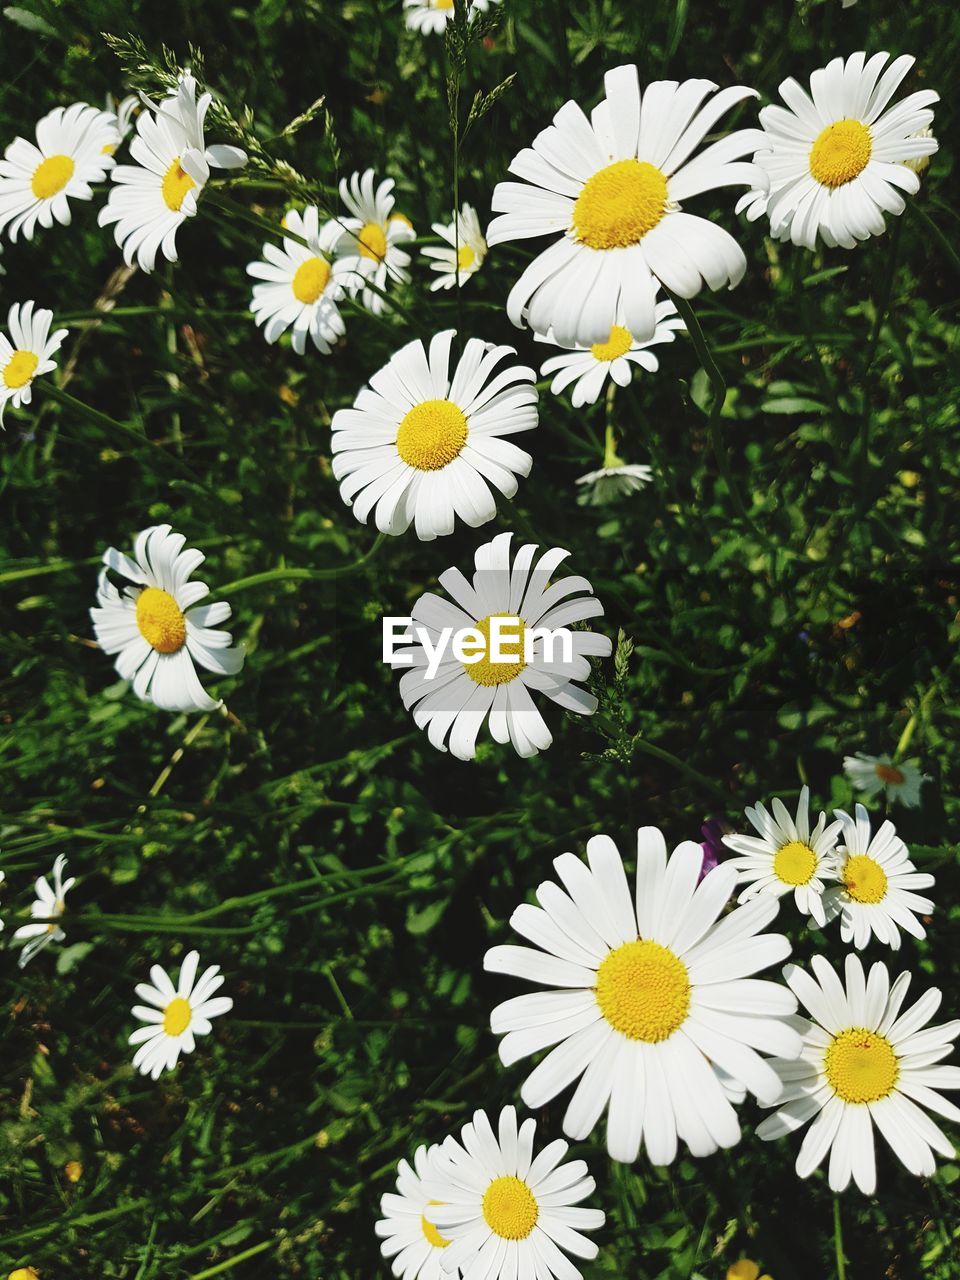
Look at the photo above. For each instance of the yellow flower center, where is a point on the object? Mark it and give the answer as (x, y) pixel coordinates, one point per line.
(176, 1016)
(465, 257)
(619, 342)
(310, 279)
(160, 620)
(795, 863)
(888, 774)
(861, 1066)
(175, 186)
(487, 672)
(430, 1232)
(643, 990)
(620, 204)
(19, 369)
(108, 149)
(431, 434)
(401, 217)
(443, 4)
(510, 1209)
(865, 879)
(840, 153)
(24, 1273)
(372, 241)
(51, 176)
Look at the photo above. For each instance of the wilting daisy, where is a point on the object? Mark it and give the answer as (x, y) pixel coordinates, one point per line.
(412, 1242)
(50, 905)
(648, 998)
(154, 627)
(865, 1064)
(466, 252)
(422, 447)
(610, 188)
(873, 774)
(301, 284)
(835, 157)
(875, 894)
(122, 113)
(27, 353)
(431, 16)
(785, 856)
(506, 1211)
(589, 367)
(370, 239)
(38, 180)
(452, 699)
(615, 481)
(151, 199)
(175, 1015)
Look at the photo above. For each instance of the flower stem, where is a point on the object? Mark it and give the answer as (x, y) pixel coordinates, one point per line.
(838, 1240)
(301, 575)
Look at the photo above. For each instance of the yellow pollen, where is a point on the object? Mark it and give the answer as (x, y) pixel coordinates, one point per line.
(443, 4)
(160, 620)
(108, 149)
(643, 990)
(840, 153)
(465, 257)
(310, 279)
(619, 205)
(372, 241)
(510, 1208)
(430, 1232)
(795, 863)
(51, 176)
(176, 186)
(887, 773)
(619, 342)
(861, 1065)
(431, 434)
(176, 1016)
(19, 369)
(865, 879)
(511, 642)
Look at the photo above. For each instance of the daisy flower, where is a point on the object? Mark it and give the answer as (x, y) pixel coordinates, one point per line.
(506, 1210)
(431, 16)
(835, 157)
(610, 189)
(920, 164)
(745, 1269)
(648, 998)
(27, 353)
(865, 1064)
(122, 113)
(412, 1242)
(151, 199)
(875, 893)
(301, 286)
(615, 481)
(785, 856)
(154, 627)
(50, 902)
(370, 239)
(466, 252)
(38, 180)
(454, 702)
(175, 1015)
(422, 447)
(873, 774)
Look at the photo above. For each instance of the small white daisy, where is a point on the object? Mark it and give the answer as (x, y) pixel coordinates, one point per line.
(865, 1064)
(371, 237)
(412, 1242)
(38, 181)
(875, 893)
(175, 1015)
(122, 113)
(27, 354)
(649, 996)
(455, 701)
(872, 774)
(150, 200)
(786, 857)
(422, 447)
(430, 17)
(615, 482)
(301, 285)
(49, 903)
(466, 252)
(154, 627)
(507, 1211)
(920, 164)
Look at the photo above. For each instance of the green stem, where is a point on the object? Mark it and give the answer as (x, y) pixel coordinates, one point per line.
(229, 1263)
(301, 575)
(838, 1240)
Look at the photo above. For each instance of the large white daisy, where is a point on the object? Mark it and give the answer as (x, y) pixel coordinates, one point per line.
(27, 353)
(423, 447)
(154, 627)
(301, 286)
(49, 904)
(462, 254)
(648, 998)
(872, 775)
(370, 239)
(410, 1240)
(175, 1015)
(865, 1063)
(611, 189)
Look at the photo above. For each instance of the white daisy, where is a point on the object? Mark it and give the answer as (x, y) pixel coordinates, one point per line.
(151, 199)
(454, 702)
(421, 447)
(431, 16)
(370, 239)
(38, 181)
(49, 903)
(650, 997)
(589, 367)
(301, 285)
(506, 1211)
(920, 164)
(154, 627)
(835, 157)
(865, 1063)
(175, 1015)
(466, 252)
(785, 856)
(876, 886)
(122, 113)
(873, 774)
(27, 353)
(615, 481)
(611, 189)
(412, 1242)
